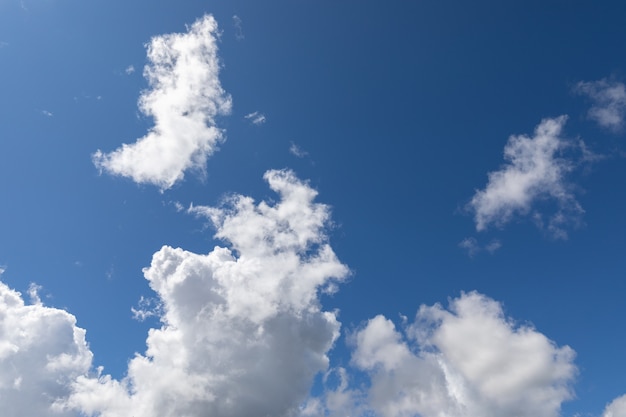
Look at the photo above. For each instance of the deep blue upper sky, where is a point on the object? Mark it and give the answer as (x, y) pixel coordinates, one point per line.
(400, 110)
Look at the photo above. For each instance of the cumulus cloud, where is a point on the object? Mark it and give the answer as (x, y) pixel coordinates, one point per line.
(534, 171)
(184, 99)
(255, 118)
(608, 102)
(41, 353)
(617, 408)
(469, 360)
(243, 330)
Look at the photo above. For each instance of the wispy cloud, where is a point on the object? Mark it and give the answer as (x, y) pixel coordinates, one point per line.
(297, 151)
(534, 171)
(471, 245)
(238, 24)
(3, 44)
(608, 99)
(47, 113)
(129, 69)
(256, 118)
(243, 330)
(185, 98)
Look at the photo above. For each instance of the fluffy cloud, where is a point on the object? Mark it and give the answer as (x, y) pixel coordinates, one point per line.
(534, 171)
(467, 361)
(609, 102)
(41, 353)
(184, 99)
(617, 408)
(243, 331)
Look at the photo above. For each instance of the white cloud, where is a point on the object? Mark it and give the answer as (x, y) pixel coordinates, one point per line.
(617, 408)
(467, 361)
(471, 245)
(47, 113)
(609, 102)
(296, 151)
(534, 171)
(185, 97)
(237, 22)
(255, 118)
(129, 69)
(41, 352)
(243, 330)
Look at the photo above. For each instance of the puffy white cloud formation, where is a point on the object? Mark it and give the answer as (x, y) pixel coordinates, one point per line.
(184, 99)
(243, 331)
(534, 171)
(467, 361)
(617, 408)
(41, 353)
(609, 102)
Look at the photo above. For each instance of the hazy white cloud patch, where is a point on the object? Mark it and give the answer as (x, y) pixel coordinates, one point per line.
(534, 172)
(184, 99)
(608, 99)
(256, 118)
(130, 69)
(3, 44)
(471, 245)
(41, 353)
(297, 151)
(47, 113)
(238, 24)
(617, 408)
(243, 330)
(465, 361)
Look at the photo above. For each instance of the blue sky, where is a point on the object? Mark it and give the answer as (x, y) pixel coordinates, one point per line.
(464, 254)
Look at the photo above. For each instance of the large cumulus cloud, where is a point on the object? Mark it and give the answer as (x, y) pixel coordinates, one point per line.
(243, 331)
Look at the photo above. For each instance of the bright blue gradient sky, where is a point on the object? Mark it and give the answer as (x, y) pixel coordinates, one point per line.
(395, 112)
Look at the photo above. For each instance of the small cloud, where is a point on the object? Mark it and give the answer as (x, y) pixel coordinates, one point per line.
(3, 44)
(129, 69)
(47, 113)
(238, 28)
(185, 99)
(33, 293)
(493, 246)
(608, 99)
(296, 151)
(471, 245)
(2, 269)
(146, 308)
(255, 118)
(535, 171)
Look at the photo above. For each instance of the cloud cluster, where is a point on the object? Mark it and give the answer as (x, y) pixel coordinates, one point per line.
(243, 331)
(609, 102)
(184, 99)
(534, 171)
(41, 353)
(469, 360)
